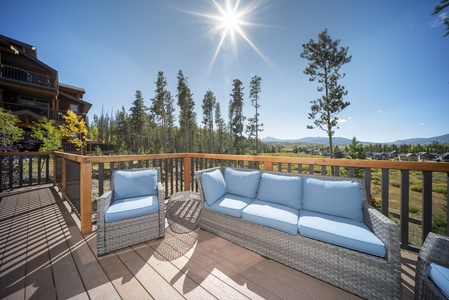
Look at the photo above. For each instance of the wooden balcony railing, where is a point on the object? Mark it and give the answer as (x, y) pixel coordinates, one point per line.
(51, 114)
(83, 178)
(26, 76)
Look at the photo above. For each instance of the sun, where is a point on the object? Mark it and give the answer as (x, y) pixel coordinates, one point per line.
(230, 21)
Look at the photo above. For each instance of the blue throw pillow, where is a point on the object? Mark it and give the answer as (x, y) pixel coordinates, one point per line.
(336, 198)
(242, 183)
(214, 186)
(285, 190)
(135, 183)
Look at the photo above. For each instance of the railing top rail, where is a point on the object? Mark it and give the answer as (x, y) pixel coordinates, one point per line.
(25, 153)
(375, 164)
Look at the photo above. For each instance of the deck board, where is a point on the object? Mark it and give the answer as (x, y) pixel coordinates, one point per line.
(43, 255)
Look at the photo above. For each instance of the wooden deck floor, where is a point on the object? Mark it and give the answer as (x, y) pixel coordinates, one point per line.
(44, 256)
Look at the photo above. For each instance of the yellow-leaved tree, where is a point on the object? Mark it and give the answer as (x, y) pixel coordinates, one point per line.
(75, 130)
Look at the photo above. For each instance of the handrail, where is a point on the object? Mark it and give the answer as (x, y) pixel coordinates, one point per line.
(23, 75)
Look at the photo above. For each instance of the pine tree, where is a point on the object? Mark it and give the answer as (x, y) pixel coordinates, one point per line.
(325, 61)
(158, 108)
(138, 122)
(254, 127)
(221, 127)
(169, 122)
(208, 105)
(187, 116)
(236, 116)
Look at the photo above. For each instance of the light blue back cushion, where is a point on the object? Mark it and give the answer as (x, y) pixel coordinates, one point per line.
(242, 183)
(337, 198)
(214, 186)
(285, 190)
(130, 184)
(440, 277)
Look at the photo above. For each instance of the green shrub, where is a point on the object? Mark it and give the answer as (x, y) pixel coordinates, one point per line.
(416, 188)
(439, 190)
(439, 224)
(414, 209)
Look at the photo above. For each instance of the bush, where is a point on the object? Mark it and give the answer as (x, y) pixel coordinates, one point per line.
(414, 209)
(439, 224)
(416, 188)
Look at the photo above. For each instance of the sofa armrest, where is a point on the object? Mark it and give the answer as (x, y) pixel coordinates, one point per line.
(385, 229)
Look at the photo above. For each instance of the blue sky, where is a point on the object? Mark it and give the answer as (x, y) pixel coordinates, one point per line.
(397, 81)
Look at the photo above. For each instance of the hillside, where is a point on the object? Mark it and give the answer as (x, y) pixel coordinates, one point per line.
(443, 139)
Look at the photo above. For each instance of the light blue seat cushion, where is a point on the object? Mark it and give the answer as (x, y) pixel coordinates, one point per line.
(440, 277)
(229, 204)
(242, 183)
(285, 190)
(128, 208)
(337, 198)
(131, 184)
(272, 215)
(340, 231)
(214, 186)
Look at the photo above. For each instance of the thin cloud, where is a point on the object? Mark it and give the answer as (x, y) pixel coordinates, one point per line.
(379, 110)
(439, 20)
(422, 124)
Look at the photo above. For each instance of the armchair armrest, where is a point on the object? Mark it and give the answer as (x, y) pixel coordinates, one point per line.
(103, 204)
(435, 250)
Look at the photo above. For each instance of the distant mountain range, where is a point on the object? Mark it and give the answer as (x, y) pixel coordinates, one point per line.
(344, 141)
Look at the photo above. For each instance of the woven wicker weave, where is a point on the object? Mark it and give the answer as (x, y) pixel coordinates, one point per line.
(362, 274)
(435, 250)
(116, 235)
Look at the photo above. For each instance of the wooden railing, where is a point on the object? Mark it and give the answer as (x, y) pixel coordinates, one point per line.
(26, 76)
(21, 169)
(52, 114)
(83, 178)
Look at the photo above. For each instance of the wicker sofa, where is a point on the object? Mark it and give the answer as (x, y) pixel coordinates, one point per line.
(367, 275)
(132, 211)
(433, 253)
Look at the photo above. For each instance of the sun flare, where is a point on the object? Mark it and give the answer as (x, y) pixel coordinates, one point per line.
(230, 21)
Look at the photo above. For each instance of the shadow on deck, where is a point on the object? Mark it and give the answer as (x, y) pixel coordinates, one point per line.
(44, 256)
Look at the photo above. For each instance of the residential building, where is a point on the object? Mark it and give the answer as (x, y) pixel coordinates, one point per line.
(31, 89)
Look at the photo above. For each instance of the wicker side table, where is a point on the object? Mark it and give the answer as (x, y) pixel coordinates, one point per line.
(183, 211)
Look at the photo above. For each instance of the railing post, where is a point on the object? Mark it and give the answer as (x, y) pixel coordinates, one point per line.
(385, 190)
(86, 197)
(405, 193)
(268, 166)
(64, 178)
(426, 204)
(187, 171)
(55, 171)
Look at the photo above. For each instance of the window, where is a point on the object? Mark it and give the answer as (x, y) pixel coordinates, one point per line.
(74, 108)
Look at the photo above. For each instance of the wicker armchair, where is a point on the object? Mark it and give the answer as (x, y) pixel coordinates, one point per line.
(435, 250)
(113, 235)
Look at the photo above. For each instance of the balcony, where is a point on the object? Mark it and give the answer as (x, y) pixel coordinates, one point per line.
(51, 114)
(48, 231)
(26, 76)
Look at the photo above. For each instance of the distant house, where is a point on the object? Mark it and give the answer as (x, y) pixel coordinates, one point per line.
(379, 156)
(443, 157)
(31, 89)
(393, 154)
(422, 156)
